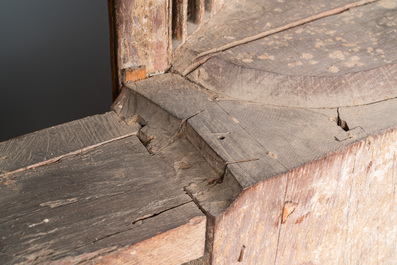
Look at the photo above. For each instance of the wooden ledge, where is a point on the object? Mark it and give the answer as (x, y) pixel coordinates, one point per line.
(101, 198)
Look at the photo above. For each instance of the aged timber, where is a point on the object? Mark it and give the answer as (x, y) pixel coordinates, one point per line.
(244, 132)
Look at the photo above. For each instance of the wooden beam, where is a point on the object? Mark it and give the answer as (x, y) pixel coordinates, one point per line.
(179, 19)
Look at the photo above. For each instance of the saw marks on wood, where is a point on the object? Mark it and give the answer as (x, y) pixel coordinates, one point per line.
(57, 141)
(240, 19)
(109, 203)
(113, 196)
(356, 40)
(344, 59)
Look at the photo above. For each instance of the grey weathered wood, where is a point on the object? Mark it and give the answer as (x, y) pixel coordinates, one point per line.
(294, 136)
(90, 202)
(372, 118)
(263, 174)
(356, 40)
(59, 140)
(183, 99)
(192, 171)
(320, 64)
(239, 19)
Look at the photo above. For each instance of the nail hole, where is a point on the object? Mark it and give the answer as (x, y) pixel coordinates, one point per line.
(221, 137)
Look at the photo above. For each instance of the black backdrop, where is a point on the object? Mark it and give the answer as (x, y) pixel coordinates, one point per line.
(54, 63)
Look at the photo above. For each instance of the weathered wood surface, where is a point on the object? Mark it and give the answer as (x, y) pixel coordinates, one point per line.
(283, 133)
(142, 35)
(336, 210)
(95, 203)
(145, 33)
(57, 141)
(214, 126)
(310, 127)
(239, 19)
(319, 64)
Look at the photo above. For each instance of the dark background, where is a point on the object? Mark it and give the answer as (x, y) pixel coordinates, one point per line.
(54, 63)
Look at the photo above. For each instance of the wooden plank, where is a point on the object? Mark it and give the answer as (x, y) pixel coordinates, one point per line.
(142, 35)
(319, 64)
(198, 10)
(176, 246)
(327, 46)
(172, 93)
(59, 140)
(337, 210)
(96, 203)
(179, 19)
(116, 83)
(294, 136)
(243, 18)
(193, 172)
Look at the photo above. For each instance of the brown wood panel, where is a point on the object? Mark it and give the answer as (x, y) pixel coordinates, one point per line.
(60, 140)
(337, 210)
(100, 201)
(198, 10)
(179, 19)
(247, 232)
(344, 209)
(142, 35)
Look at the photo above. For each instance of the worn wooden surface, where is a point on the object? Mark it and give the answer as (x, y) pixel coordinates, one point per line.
(275, 111)
(239, 19)
(142, 34)
(277, 121)
(109, 203)
(57, 141)
(218, 130)
(319, 64)
(336, 210)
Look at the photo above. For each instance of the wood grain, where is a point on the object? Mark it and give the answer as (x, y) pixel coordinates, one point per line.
(316, 65)
(172, 93)
(345, 210)
(294, 136)
(95, 201)
(179, 19)
(251, 223)
(297, 91)
(59, 140)
(243, 18)
(142, 35)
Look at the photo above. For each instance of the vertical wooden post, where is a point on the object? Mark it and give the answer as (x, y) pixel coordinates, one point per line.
(198, 9)
(139, 39)
(179, 19)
